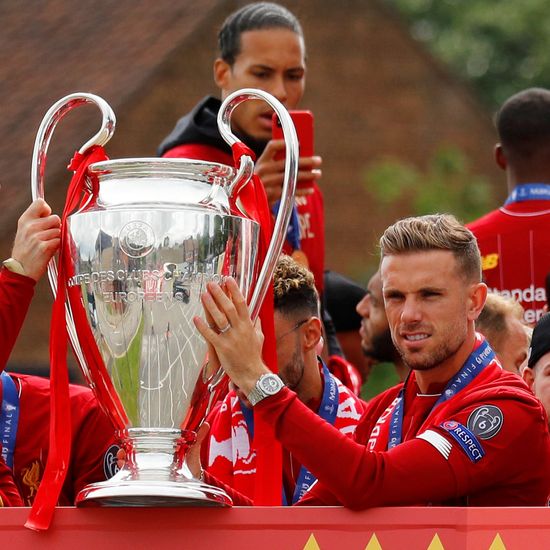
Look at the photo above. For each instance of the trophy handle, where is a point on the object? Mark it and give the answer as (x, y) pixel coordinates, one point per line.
(56, 112)
(245, 173)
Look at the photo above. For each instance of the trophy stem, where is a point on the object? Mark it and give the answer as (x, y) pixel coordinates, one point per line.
(152, 475)
(150, 452)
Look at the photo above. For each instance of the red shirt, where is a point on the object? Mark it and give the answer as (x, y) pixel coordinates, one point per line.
(93, 451)
(310, 208)
(515, 247)
(430, 466)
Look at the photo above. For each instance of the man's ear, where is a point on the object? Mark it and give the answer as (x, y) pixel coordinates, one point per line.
(313, 332)
(222, 74)
(500, 157)
(478, 295)
(528, 377)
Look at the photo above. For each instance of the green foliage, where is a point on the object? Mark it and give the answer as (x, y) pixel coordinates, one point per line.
(382, 377)
(447, 185)
(501, 46)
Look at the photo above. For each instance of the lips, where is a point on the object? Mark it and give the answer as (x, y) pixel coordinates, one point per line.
(415, 337)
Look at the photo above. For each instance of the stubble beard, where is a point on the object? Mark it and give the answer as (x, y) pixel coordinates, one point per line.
(381, 348)
(293, 372)
(431, 359)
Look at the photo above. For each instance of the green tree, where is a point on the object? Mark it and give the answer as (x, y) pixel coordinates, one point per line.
(447, 185)
(501, 46)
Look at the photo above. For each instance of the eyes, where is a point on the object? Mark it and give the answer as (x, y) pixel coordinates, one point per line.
(393, 296)
(430, 293)
(261, 75)
(426, 294)
(295, 76)
(266, 74)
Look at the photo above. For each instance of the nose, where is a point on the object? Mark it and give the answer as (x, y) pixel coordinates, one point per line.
(279, 89)
(411, 311)
(363, 307)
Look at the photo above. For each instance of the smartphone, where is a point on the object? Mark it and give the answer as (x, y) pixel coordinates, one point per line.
(303, 122)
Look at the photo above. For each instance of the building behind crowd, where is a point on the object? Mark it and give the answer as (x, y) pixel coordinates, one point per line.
(375, 92)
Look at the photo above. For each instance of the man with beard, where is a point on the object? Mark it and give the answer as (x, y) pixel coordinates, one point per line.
(229, 454)
(375, 331)
(450, 434)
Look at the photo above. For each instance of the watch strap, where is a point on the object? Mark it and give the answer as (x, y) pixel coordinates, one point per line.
(259, 392)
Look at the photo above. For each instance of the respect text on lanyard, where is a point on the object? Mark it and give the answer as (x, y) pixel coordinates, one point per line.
(327, 411)
(9, 417)
(476, 362)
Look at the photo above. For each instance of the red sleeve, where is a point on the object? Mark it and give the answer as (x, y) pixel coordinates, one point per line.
(9, 495)
(16, 293)
(415, 472)
(349, 473)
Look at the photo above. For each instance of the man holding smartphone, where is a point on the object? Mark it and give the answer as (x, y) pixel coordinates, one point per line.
(260, 46)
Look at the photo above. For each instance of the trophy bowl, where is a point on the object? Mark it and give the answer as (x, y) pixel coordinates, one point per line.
(143, 247)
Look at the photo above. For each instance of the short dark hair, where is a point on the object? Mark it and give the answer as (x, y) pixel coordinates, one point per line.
(523, 123)
(294, 289)
(434, 232)
(253, 17)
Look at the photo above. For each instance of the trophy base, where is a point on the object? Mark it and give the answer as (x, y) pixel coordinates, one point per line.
(152, 493)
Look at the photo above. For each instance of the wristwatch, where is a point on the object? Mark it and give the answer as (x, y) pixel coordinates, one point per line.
(13, 265)
(267, 385)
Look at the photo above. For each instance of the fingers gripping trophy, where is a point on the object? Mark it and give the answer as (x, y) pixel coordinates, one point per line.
(142, 240)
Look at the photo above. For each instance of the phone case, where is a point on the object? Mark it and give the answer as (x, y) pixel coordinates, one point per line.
(303, 122)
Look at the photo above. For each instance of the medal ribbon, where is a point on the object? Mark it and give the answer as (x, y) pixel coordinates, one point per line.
(293, 231)
(474, 365)
(9, 418)
(529, 192)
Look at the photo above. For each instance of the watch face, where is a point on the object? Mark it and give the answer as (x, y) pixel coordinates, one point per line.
(270, 384)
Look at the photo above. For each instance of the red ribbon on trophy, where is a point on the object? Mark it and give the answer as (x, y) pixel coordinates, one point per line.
(59, 452)
(269, 461)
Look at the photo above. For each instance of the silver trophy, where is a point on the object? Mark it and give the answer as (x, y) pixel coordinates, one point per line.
(142, 250)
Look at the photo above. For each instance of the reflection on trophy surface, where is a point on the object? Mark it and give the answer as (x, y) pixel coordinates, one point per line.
(142, 274)
(142, 250)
